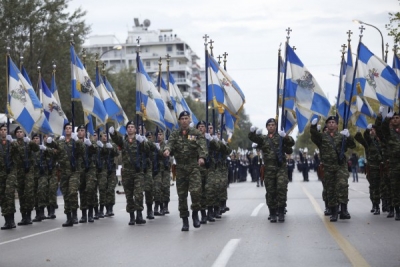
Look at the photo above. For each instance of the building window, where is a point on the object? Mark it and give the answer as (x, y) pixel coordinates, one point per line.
(147, 64)
(169, 48)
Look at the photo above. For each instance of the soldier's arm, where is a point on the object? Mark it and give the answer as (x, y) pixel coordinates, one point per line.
(117, 139)
(255, 138)
(202, 146)
(359, 138)
(33, 146)
(350, 142)
(288, 141)
(367, 137)
(316, 136)
(386, 128)
(170, 146)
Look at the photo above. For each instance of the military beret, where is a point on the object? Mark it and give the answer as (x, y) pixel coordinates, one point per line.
(129, 123)
(67, 124)
(82, 126)
(17, 129)
(200, 123)
(331, 118)
(395, 114)
(374, 126)
(184, 113)
(270, 120)
(3, 125)
(35, 135)
(148, 134)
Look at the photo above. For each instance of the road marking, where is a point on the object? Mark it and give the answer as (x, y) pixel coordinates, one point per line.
(226, 253)
(29, 236)
(256, 210)
(355, 258)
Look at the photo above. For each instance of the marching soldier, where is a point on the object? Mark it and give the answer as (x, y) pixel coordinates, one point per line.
(189, 149)
(148, 175)
(52, 178)
(225, 152)
(275, 175)
(206, 186)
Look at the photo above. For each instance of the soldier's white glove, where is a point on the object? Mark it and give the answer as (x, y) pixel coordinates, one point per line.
(62, 138)
(208, 136)
(111, 130)
(381, 109)
(215, 137)
(252, 129)
(314, 121)
(389, 115)
(42, 147)
(254, 145)
(74, 136)
(319, 127)
(369, 127)
(27, 139)
(157, 146)
(49, 140)
(223, 141)
(191, 124)
(99, 143)
(230, 135)
(166, 141)
(305, 150)
(9, 138)
(87, 142)
(259, 131)
(108, 145)
(282, 133)
(139, 138)
(145, 138)
(345, 132)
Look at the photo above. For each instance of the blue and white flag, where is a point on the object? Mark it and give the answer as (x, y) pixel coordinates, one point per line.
(52, 109)
(165, 95)
(396, 68)
(375, 79)
(111, 107)
(83, 89)
(178, 100)
(23, 104)
(223, 92)
(148, 100)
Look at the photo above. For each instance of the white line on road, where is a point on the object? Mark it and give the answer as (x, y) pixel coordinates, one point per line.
(226, 253)
(29, 236)
(256, 210)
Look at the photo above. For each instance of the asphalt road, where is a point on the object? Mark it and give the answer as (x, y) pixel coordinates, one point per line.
(243, 237)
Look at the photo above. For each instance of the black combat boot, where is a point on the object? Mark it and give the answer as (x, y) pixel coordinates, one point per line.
(90, 217)
(7, 224)
(101, 211)
(203, 217)
(96, 212)
(397, 208)
(185, 226)
(11, 220)
(166, 211)
(373, 208)
(42, 216)
(281, 214)
(217, 213)
(132, 218)
(162, 212)
(110, 208)
(384, 205)
(139, 217)
(74, 216)
(48, 212)
(210, 214)
(29, 217)
(223, 206)
(391, 212)
(23, 220)
(38, 217)
(344, 214)
(84, 217)
(69, 221)
(52, 214)
(150, 214)
(272, 214)
(334, 211)
(377, 209)
(195, 217)
(156, 205)
(327, 211)
(107, 214)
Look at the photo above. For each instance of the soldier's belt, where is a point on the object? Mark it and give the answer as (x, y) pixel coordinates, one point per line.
(186, 160)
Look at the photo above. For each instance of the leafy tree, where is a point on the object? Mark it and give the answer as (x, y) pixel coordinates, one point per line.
(393, 26)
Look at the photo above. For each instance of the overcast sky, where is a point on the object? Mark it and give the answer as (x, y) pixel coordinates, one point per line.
(251, 31)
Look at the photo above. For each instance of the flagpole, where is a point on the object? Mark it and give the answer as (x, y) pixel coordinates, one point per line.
(278, 84)
(205, 37)
(72, 101)
(386, 52)
(288, 30)
(395, 48)
(223, 114)
(213, 109)
(167, 132)
(340, 89)
(103, 71)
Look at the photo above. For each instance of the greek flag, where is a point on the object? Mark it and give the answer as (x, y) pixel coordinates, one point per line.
(374, 78)
(23, 104)
(223, 92)
(178, 100)
(83, 89)
(396, 68)
(166, 97)
(111, 107)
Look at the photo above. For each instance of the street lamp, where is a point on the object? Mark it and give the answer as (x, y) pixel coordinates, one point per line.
(116, 47)
(362, 22)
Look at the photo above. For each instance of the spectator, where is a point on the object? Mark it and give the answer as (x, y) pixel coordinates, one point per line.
(354, 165)
(361, 164)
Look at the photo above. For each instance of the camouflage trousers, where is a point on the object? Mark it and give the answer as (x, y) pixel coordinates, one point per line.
(87, 188)
(41, 190)
(385, 186)
(111, 183)
(132, 182)
(276, 184)
(374, 179)
(324, 193)
(203, 174)
(148, 186)
(157, 186)
(395, 185)
(188, 179)
(165, 185)
(337, 184)
(25, 189)
(224, 179)
(69, 185)
(213, 186)
(52, 189)
(8, 184)
(101, 186)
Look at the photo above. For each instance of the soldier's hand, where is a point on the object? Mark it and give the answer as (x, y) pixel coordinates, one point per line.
(201, 161)
(381, 109)
(369, 127)
(259, 131)
(254, 145)
(108, 145)
(223, 141)
(74, 136)
(9, 138)
(345, 132)
(111, 130)
(389, 115)
(99, 143)
(166, 153)
(253, 129)
(49, 140)
(62, 137)
(319, 127)
(208, 136)
(157, 146)
(87, 142)
(42, 147)
(314, 121)
(27, 139)
(282, 133)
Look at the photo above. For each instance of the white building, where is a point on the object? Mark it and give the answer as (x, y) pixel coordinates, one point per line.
(153, 44)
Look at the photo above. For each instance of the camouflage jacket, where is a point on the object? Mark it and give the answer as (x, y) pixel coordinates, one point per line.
(104, 157)
(68, 153)
(383, 141)
(392, 137)
(162, 163)
(23, 154)
(5, 155)
(270, 147)
(372, 147)
(188, 147)
(330, 146)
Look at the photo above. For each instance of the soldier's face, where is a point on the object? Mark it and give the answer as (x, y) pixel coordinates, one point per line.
(271, 127)
(184, 122)
(210, 130)
(68, 130)
(3, 132)
(95, 137)
(81, 133)
(160, 137)
(373, 132)
(395, 121)
(202, 128)
(20, 134)
(150, 137)
(104, 137)
(36, 139)
(331, 125)
(131, 129)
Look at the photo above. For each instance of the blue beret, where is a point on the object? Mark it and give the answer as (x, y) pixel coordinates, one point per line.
(330, 118)
(184, 113)
(270, 120)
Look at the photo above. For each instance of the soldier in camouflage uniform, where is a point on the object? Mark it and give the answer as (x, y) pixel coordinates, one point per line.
(189, 148)
(392, 135)
(275, 175)
(22, 153)
(52, 179)
(148, 175)
(205, 186)
(133, 146)
(373, 148)
(8, 182)
(98, 160)
(225, 152)
(335, 168)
